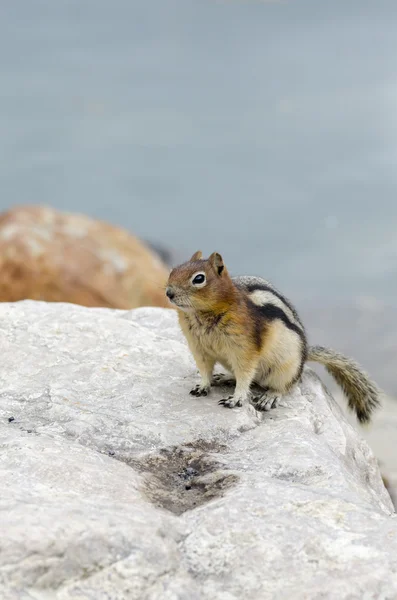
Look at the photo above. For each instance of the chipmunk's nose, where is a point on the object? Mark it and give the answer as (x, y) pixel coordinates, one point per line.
(170, 293)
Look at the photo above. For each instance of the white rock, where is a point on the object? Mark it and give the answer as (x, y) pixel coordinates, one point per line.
(286, 505)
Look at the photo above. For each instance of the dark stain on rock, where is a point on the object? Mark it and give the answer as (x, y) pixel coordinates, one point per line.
(181, 478)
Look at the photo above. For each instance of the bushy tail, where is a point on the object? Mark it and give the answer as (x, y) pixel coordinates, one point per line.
(362, 394)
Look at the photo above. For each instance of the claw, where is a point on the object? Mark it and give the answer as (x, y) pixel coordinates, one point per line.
(230, 402)
(199, 391)
(225, 401)
(266, 402)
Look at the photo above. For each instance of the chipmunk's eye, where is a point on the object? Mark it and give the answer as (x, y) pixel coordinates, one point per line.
(198, 279)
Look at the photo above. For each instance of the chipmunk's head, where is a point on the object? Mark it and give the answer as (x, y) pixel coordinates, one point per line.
(199, 284)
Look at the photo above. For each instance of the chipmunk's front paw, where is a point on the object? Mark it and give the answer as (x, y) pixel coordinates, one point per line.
(230, 402)
(200, 390)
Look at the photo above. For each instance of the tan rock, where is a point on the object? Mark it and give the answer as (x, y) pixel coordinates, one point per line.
(61, 257)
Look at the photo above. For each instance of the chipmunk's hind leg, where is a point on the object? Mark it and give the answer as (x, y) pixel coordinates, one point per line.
(277, 382)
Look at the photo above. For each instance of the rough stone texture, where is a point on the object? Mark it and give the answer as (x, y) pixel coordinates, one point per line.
(116, 484)
(61, 257)
(382, 438)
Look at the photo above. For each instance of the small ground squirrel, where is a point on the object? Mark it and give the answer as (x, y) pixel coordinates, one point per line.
(247, 326)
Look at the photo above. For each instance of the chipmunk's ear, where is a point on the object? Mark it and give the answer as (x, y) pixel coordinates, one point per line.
(216, 261)
(196, 256)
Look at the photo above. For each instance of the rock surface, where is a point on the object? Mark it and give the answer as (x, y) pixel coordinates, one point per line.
(382, 438)
(116, 484)
(61, 257)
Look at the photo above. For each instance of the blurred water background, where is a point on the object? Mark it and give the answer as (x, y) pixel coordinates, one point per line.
(264, 130)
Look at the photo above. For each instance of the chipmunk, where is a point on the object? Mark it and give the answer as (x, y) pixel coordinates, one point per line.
(252, 330)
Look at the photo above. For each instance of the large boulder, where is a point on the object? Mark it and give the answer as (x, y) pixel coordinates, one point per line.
(116, 484)
(61, 257)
